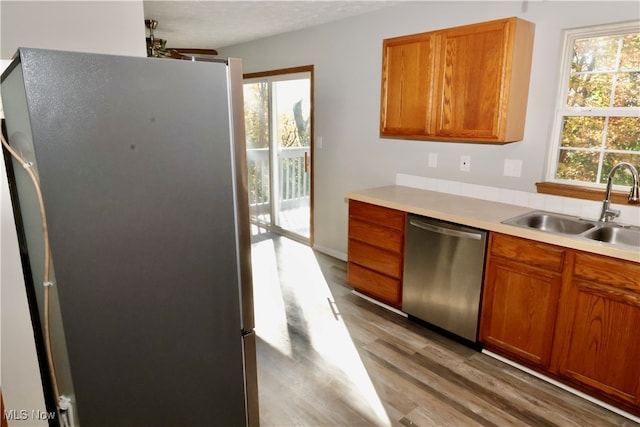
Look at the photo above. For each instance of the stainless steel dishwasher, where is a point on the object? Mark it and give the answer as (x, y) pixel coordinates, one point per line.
(443, 272)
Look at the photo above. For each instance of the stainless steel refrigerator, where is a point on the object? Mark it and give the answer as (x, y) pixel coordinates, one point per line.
(142, 168)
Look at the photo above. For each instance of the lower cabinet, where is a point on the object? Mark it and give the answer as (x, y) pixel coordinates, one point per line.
(568, 314)
(572, 315)
(598, 330)
(375, 252)
(521, 291)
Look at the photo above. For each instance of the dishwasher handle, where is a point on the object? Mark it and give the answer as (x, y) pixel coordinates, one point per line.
(444, 230)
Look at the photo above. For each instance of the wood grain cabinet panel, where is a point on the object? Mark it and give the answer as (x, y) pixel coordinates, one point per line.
(376, 251)
(376, 235)
(572, 315)
(374, 284)
(528, 252)
(375, 258)
(375, 214)
(598, 327)
(520, 299)
(407, 82)
(466, 83)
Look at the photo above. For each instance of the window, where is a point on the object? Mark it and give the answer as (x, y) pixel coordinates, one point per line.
(597, 122)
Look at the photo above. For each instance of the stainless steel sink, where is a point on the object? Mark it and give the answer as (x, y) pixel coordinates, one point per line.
(615, 235)
(553, 223)
(607, 232)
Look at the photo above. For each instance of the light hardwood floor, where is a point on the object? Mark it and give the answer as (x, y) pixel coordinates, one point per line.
(329, 358)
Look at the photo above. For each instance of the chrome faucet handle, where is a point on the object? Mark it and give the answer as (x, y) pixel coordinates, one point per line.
(611, 214)
(607, 214)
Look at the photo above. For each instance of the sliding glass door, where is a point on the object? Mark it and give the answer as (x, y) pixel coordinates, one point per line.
(278, 123)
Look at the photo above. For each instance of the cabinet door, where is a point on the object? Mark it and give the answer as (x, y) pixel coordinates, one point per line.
(598, 327)
(519, 310)
(407, 84)
(484, 81)
(472, 80)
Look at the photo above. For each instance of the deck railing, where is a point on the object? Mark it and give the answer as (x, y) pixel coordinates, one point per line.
(292, 181)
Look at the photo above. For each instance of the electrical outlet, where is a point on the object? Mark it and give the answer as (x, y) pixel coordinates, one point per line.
(465, 163)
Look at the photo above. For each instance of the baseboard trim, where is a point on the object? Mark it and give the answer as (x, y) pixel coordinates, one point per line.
(563, 386)
(328, 251)
(381, 304)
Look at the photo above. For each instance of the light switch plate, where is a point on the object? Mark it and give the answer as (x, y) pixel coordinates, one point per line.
(433, 160)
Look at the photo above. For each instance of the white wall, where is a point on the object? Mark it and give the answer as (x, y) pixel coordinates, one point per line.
(92, 26)
(347, 56)
(115, 27)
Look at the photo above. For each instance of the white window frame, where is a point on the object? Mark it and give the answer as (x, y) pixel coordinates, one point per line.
(562, 110)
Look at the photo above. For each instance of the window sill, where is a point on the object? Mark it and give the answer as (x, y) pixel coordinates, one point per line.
(564, 190)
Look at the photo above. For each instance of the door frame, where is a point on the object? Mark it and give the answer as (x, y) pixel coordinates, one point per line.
(293, 70)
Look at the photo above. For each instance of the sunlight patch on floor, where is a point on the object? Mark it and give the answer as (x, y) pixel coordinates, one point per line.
(269, 310)
(311, 302)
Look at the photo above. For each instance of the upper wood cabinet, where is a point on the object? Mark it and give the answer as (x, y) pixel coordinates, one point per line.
(467, 83)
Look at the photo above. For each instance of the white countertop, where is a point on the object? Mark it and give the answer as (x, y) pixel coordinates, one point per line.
(479, 213)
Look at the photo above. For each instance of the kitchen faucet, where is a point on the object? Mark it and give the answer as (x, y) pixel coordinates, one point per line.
(608, 214)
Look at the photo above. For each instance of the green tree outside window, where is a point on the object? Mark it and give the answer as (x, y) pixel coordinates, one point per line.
(598, 121)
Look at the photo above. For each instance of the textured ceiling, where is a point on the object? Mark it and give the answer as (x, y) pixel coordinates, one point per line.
(216, 24)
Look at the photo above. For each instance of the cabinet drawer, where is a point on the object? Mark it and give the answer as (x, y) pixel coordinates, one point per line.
(613, 272)
(376, 235)
(374, 258)
(377, 214)
(374, 284)
(528, 252)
